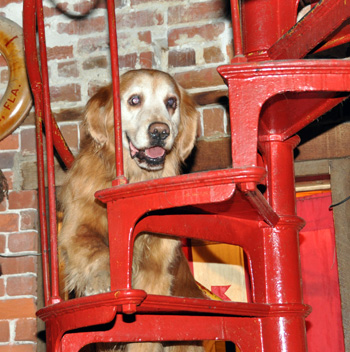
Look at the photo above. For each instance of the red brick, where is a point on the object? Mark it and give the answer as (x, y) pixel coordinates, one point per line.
(197, 79)
(10, 142)
(23, 241)
(185, 57)
(28, 146)
(147, 59)
(17, 308)
(93, 87)
(4, 3)
(52, 11)
(26, 330)
(29, 220)
(2, 287)
(23, 200)
(2, 243)
(4, 331)
(213, 55)
(145, 18)
(196, 12)
(19, 348)
(69, 92)
(18, 265)
(85, 7)
(60, 53)
(7, 160)
(213, 121)
(68, 69)
(90, 45)
(95, 62)
(206, 32)
(70, 134)
(145, 37)
(137, 2)
(21, 285)
(85, 26)
(128, 61)
(9, 222)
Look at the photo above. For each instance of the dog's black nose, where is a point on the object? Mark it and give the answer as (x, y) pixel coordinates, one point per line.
(159, 131)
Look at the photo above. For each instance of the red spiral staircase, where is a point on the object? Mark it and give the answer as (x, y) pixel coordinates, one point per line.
(273, 92)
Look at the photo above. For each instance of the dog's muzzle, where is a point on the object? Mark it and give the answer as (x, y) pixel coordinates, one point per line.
(152, 156)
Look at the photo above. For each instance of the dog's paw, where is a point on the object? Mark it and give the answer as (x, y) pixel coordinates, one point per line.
(99, 283)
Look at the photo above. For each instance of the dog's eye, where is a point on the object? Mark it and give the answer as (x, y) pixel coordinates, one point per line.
(171, 103)
(134, 100)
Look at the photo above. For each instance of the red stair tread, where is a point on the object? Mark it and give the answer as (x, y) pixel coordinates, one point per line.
(152, 304)
(182, 182)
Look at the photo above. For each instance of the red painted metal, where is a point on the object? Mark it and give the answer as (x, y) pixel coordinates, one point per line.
(324, 19)
(269, 103)
(49, 154)
(29, 28)
(342, 36)
(120, 178)
(237, 32)
(43, 114)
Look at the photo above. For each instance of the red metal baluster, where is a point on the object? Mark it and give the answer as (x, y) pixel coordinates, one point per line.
(237, 32)
(116, 96)
(50, 155)
(29, 29)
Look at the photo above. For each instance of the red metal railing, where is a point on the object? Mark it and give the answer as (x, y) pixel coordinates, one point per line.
(33, 19)
(278, 310)
(29, 27)
(120, 178)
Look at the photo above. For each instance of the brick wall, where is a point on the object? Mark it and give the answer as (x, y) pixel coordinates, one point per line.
(188, 38)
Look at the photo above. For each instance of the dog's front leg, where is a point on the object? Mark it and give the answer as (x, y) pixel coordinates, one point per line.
(86, 256)
(144, 347)
(152, 261)
(185, 347)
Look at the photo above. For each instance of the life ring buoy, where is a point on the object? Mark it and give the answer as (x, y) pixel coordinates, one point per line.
(17, 100)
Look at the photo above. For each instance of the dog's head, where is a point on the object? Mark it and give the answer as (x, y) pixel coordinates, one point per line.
(159, 119)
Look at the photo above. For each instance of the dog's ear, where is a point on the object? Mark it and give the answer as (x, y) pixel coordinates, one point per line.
(98, 109)
(188, 126)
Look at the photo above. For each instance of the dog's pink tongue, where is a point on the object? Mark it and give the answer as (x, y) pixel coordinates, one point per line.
(133, 150)
(155, 152)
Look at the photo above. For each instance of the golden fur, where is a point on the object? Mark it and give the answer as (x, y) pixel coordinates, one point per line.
(159, 128)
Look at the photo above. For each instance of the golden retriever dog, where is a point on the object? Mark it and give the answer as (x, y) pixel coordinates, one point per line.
(159, 126)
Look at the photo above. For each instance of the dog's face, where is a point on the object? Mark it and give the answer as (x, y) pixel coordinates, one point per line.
(159, 120)
(150, 106)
